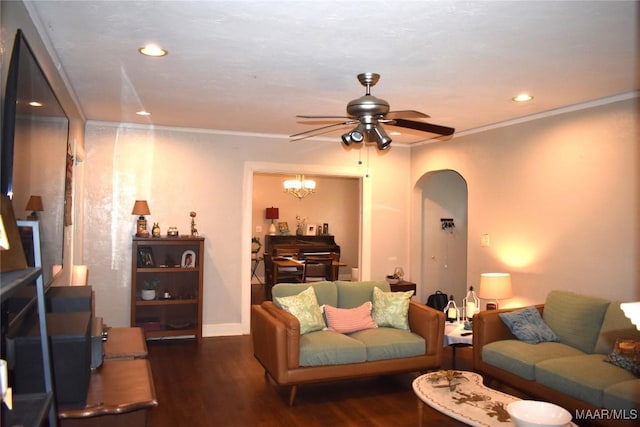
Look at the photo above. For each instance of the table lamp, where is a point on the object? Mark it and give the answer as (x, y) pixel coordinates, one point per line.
(34, 205)
(272, 213)
(140, 207)
(632, 311)
(494, 287)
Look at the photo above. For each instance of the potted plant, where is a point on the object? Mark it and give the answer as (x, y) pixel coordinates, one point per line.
(149, 288)
(255, 246)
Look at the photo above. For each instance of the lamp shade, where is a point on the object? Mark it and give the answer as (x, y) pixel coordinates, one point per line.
(632, 311)
(34, 204)
(272, 213)
(140, 207)
(495, 286)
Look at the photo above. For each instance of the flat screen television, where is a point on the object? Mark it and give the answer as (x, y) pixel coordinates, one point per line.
(34, 151)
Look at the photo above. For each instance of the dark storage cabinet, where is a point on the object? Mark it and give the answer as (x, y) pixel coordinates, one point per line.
(69, 335)
(30, 409)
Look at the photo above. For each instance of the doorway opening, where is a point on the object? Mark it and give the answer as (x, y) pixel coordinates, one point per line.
(444, 225)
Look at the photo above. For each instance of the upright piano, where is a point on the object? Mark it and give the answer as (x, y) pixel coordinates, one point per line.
(279, 246)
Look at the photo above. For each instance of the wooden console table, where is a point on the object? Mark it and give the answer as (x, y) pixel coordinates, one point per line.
(125, 343)
(121, 391)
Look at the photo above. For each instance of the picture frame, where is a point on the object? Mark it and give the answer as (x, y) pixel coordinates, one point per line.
(311, 230)
(283, 228)
(30, 236)
(188, 259)
(325, 228)
(145, 257)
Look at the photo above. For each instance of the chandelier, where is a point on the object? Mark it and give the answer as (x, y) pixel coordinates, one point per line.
(299, 187)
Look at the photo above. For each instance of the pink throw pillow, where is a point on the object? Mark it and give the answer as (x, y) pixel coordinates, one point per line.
(346, 320)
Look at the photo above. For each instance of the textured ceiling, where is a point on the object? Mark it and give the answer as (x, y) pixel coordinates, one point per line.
(251, 66)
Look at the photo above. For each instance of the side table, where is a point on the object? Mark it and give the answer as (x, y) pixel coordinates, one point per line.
(456, 336)
(121, 391)
(403, 286)
(255, 262)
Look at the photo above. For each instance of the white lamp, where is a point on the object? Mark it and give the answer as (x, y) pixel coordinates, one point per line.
(632, 311)
(494, 287)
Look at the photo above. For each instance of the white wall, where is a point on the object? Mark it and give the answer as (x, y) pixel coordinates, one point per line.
(180, 170)
(558, 197)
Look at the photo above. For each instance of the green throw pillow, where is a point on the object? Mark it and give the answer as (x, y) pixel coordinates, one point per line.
(391, 309)
(305, 307)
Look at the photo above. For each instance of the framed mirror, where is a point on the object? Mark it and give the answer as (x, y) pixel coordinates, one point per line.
(34, 151)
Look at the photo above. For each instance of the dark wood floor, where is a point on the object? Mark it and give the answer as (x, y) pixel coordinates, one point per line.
(218, 382)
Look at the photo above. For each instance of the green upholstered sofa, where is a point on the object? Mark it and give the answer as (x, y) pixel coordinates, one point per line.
(571, 372)
(291, 359)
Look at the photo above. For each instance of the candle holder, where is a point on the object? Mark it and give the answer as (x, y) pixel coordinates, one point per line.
(451, 311)
(470, 305)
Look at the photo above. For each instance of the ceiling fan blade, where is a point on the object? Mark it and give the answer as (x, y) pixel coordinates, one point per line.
(312, 131)
(406, 114)
(424, 127)
(325, 117)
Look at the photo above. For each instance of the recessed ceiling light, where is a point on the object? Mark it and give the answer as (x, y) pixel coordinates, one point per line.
(143, 113)
(523, 97)
(152, 50)
(35, 104)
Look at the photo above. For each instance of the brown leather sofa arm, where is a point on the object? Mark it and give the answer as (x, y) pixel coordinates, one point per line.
(292, 329)
(429, 324)
(489, 327)
(271, 342)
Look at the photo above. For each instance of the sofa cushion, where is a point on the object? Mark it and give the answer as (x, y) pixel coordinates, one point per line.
(305, 307)
(624, 395)
(527, 325)
(353, 294)
(520, 358)
(326, 292)
(583, 377)
(576, 319)
(346, 320)
(330, 348)
(614, 326)
(390, 343)
(391, 309)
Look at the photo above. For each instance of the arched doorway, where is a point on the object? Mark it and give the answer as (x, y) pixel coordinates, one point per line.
(444, 197)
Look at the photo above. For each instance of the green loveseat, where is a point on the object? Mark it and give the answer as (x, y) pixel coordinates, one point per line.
(571, 372)
(291, 359)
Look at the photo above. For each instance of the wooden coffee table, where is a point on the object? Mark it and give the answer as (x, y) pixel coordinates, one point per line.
(469, 401)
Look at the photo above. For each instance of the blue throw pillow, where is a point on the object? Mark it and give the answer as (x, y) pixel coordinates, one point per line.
(527, 325)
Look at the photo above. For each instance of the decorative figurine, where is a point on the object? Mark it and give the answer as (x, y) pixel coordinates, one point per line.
(194, 230)
(155, 230)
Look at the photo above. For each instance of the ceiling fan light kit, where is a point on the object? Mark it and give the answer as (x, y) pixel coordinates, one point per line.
(369, 112)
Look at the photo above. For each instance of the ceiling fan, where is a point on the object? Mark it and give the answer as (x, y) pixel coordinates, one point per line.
(368, 113)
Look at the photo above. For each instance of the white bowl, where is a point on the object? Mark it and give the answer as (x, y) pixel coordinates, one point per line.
(532, 413)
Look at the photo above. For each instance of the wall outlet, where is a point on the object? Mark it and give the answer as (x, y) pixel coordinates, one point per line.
(258, 229)
(484, 240)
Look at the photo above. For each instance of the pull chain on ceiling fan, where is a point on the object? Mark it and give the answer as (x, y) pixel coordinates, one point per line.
(368, 113)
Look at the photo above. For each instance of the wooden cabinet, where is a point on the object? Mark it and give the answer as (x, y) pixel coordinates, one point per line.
(173, 267)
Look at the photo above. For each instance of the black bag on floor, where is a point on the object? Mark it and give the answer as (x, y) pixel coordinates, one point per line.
(438, 301)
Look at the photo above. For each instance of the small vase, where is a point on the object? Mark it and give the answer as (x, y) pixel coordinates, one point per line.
(299, 231)
(148, 294)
